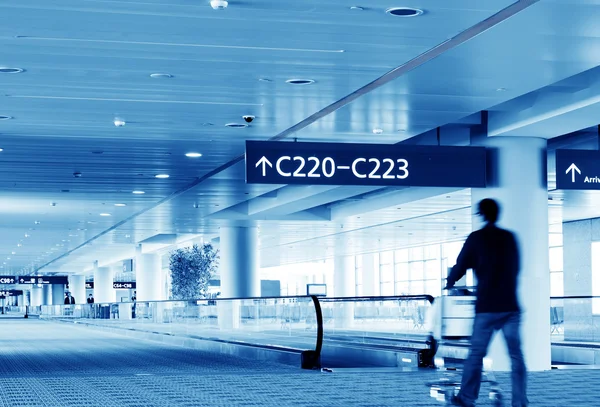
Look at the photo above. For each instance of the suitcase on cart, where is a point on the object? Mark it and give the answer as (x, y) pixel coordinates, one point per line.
(456, 315)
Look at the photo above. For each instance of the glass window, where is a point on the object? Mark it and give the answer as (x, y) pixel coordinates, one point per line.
(432, 252)
(387, 288)
(386, 258)
(402, 272)
(557, 285)
(555, 239)
(358, 262)
(402, 288)
(433, 287)
(433, 270)
(401, 256)
(596, 277)
(387, 273)
(416, 270)
(556, 259)
(415, 253)
(417, 287)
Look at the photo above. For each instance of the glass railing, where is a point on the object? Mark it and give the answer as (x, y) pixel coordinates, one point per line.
(357, 329)
(288, 323)
(575, 319)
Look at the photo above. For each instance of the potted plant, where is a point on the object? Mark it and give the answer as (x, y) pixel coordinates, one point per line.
(191, 268)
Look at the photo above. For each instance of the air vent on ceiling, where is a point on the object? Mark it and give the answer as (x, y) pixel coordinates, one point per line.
(300, 81)
(404, 11)
(11, 70)
(5, 117)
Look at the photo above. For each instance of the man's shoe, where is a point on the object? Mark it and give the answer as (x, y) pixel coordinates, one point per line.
(456, 401)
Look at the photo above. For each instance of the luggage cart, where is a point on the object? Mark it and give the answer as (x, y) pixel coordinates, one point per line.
(456, 312)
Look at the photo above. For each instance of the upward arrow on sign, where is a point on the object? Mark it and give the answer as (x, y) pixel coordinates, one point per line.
(572, 168)
(264, 162)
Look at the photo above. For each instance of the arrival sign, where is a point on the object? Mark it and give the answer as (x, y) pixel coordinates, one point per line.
(274, 162)
(577, 169)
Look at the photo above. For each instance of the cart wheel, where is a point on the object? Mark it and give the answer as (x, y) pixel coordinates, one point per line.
(496, 398)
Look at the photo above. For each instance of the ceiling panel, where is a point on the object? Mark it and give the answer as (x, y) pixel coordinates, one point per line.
(89, 62)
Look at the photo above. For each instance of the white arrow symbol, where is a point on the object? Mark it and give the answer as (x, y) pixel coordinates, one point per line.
(572, 168)
(264, 163)
(22, 280)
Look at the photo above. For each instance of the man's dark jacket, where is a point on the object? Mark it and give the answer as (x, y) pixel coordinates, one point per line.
(493, 255)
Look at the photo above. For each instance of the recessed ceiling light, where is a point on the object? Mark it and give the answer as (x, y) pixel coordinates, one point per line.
(120, 204)
(13, 252)
(119, 122)
(105, 214)
(501, 90)
(404, 11)
(207, 124)
(377, 131)
(26, 235)
(19, 245)
(300, 81)
(4, 69)
(138, 192)
(3, 117)
(161, 176)
(1, 149)
(161, 75)
(358, 8)
(236, 125)
(193, 155)
(264, 80)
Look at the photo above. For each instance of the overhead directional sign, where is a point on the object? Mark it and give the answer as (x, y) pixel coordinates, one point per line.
(7, 280)
(577, 169)
(8, 293)
(124, 285)
(42, 280)
(274, 162)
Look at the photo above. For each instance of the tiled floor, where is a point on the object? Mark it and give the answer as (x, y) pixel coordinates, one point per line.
(52, 364)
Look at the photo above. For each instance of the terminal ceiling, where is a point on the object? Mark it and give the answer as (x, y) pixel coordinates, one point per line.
(530, 64)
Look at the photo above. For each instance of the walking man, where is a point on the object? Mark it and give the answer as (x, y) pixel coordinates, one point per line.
(493, 255)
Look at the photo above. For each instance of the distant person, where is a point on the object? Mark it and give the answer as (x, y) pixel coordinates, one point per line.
(493, 255)
(90, 299)
(69, 299)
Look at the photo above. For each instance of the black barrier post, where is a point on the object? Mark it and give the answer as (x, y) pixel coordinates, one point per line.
(27, 311)
(311, 359)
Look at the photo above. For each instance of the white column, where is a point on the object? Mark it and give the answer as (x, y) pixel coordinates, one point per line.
(344, 285)
(238, 263)
(103, 285)
(370, 284)
(77, 288)
(58, 294)
(47, 294)
(519, 184)
(36, 296)
(148, 276)
(343, 276)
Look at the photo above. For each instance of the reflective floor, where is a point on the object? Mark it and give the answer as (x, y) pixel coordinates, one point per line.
(56, 364)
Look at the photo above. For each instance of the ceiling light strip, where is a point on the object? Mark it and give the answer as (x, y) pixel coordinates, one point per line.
(181, 102)
(171, 44)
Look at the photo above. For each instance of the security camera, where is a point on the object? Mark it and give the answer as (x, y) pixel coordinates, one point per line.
(219, 4)
(77, 174)
(248, 118)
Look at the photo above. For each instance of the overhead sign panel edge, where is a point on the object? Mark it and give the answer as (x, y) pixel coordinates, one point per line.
(275, 162)
(578, 169)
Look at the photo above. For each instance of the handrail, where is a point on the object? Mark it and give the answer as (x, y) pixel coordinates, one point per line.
(380, 298)
(577, 297)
